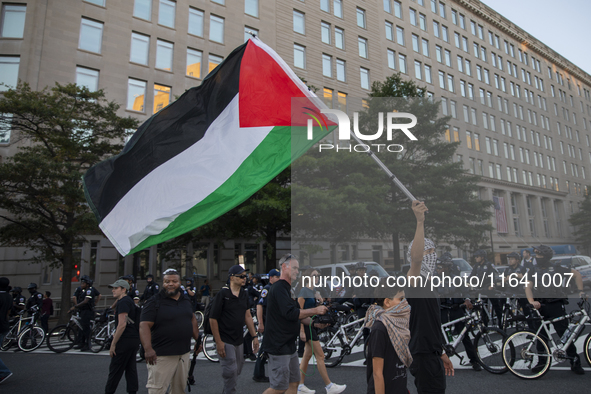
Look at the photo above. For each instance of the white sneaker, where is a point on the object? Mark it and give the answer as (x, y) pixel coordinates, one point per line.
(303, 389)
(336, 388)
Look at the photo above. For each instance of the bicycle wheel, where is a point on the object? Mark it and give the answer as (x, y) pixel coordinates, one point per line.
(588, 349)
(489, 344)
(522, 356)
(98, 337)
(31, 338)
(333, 354)
(9, 339)
(209, 349)
(199, 317)
(58, 339)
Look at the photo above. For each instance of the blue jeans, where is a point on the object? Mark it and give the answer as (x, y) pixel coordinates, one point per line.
(4, 371)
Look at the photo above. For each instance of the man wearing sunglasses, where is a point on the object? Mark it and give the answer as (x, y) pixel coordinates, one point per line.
(229, 312)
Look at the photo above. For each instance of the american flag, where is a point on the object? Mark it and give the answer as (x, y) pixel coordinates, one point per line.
(500, 214)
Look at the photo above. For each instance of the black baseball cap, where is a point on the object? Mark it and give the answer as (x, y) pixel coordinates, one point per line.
(236, 270)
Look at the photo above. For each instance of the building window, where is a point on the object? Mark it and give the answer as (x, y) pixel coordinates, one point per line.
(402, 63)
(136, 95)
(91, 35)
(164, 52)
(325, 32)
(389, 31)
(214, 61)
(166, 13)
(388, 6)
(88, 78)
(97, 2)
(216, 29)
(362, 47)
(418, 70)
(391, 59)
(8, 72)
(327, 65)
(140, 47)
(13, 20)
(415, 42)
(161, 97)
(299, 56)
(364, 74)
(361, 18)
(339, 38)
(299, 22)
(337, 6)
(341, 70)
(397, 9)
(251, 7)
(325, 5)
(142, 9)
(428, 74)
(328, 93)
(195, 22)
(423, 22)
(342, 101)
(194, 58)
(425, 45)
(400, 35)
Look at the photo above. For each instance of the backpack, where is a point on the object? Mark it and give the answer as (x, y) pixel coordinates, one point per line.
(207, 312)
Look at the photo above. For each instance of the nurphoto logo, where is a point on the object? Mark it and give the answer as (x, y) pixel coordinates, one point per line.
(345, 130)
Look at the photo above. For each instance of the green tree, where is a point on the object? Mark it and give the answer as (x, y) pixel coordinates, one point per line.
(352, 198)
(582, 222)
(59, 133)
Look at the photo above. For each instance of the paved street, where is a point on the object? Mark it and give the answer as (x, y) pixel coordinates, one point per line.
(74, 372)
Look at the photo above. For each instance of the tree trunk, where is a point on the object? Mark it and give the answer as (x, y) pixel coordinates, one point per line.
(396, 247)
(67, 269)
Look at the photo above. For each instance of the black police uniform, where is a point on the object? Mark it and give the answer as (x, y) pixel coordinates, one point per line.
(151, 290)
(134, 293)
(86, 315)
(553, 300)
(529, 264)
(253, 297)
(486, 268)
(18, 300)
(523, 303)
(36, 299)
(259, 367)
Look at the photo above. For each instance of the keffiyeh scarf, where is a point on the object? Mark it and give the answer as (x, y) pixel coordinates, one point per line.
(396, 321)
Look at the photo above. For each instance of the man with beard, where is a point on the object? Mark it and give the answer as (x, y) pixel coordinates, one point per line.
(430, 363)
(167, 324)
(550, 302)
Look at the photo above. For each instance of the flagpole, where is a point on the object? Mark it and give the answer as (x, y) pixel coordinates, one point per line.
(387, 171)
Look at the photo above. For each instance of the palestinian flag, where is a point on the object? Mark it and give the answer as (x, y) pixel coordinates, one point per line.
(207, 152)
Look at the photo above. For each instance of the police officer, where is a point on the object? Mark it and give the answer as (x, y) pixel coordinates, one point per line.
(452, 300)
(133, 292)
(528, 261)
(254, 292)
(190, 291)
(550, 301)
(483, 267)
(261, 360)
(85, 304)
(517, 271)
(36, 298)
(152, 288)
(18, 300)
(96, 294)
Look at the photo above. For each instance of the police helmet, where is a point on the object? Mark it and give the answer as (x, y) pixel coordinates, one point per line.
(32, 286)
(85, 279)
(480, 253)
(149, 276)
(514, 255)
(128, 277)
(446, 258)
(545, 251)
(360, 266)
(16, 289)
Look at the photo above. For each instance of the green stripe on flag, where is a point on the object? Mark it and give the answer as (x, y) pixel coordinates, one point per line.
(271, 157)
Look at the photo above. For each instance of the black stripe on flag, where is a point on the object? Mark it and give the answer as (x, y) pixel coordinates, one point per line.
(163, 136)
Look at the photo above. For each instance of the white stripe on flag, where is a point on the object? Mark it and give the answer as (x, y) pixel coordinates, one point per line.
(154, 202)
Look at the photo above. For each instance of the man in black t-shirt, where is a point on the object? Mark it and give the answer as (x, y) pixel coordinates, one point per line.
(282, 328)
(126, 340)
(550, 301)
(166, 327)
(229, 313)
(430, 363)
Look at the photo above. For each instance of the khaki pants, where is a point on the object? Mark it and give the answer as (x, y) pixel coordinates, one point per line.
(168, 371)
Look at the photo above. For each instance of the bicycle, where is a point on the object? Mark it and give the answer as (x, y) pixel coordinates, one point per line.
(210, 350)
(520, 349)
(338, 341)
(102, 333)
(63, 337)
(25, 332)
(487, 340)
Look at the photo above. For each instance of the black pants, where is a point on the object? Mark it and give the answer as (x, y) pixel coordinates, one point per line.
(448, 315)
(527, 311)
(247, 344)
(550, 311)
(86, 316)
(429, 373)
(45, 323)
(124, 361)
(497, 305)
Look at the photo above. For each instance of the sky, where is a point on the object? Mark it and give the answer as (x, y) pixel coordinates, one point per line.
(565, 26)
